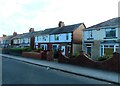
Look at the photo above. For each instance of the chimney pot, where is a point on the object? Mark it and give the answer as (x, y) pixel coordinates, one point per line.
(61, 24)
(4, 35)
(31, 30)
(15, 33)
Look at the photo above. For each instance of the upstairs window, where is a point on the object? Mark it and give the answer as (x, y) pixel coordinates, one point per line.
(18, 41)
(37, 38)
(110, 32)
(28, 40)
(67, 36)
(23, 40)
(5, 41)
(44, 38)
(56, 37)
(90, 34)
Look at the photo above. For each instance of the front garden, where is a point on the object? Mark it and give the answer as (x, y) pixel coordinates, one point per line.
(104, 63)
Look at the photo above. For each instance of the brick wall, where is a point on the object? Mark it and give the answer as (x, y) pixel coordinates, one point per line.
(112, 64)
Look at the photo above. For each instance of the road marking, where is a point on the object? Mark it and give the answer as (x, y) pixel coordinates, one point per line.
(109, 83)
(48, 68)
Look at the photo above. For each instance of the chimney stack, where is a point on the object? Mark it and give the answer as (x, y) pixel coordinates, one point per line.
(15, 33)
(4, 35)
(61, 24)
(31, 30)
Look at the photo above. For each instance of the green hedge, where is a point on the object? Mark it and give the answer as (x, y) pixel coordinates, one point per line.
(39, 49)
(101, 58)
(20, 50)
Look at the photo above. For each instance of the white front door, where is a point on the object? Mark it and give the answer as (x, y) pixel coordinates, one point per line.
(45, 47)
(63, 50)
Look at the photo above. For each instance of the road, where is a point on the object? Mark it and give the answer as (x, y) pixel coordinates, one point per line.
(17, 72)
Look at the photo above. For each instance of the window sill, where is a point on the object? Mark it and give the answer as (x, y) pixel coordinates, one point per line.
(110, 37)
(90, 38)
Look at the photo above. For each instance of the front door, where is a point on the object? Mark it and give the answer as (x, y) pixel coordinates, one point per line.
(63, 50)
(55, 51)
(89, 50)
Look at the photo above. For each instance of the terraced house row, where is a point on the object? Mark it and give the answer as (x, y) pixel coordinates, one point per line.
(98, 40)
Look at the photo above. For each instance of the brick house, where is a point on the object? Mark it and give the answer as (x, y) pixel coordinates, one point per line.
(5, 41)
(24, 40)
(16, 40)
(66, 38)
(42, 40)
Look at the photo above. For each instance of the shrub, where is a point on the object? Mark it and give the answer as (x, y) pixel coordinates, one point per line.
(39, 49)
(28, 49)
(74, 55)
(77, 54)
(101, 58)
(20, 50)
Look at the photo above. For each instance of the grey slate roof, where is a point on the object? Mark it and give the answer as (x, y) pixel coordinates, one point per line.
(17, 36)
(37, 33)
(7, 37)
(65, 29)
(27, 35)
(48, 31)
(111, 22)
(56, 30)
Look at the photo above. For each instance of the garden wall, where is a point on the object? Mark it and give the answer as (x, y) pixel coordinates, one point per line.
(43, 55)
(5, 51)
(32, 55)
(112, 64)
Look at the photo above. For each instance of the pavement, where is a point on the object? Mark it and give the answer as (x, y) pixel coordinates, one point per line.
(112, 77)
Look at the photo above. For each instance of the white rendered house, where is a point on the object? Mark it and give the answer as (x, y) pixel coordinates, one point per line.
(102, 39)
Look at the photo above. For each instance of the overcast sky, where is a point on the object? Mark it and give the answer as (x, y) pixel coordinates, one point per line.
(20, 15)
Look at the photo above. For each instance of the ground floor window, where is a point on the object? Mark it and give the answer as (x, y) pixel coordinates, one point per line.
(43, 46)
(55, 46)
(36, 45)
(108, 49)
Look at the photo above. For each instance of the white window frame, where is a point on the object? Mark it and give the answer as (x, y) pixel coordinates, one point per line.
(109, 29)
(45, 45)
(103, 45)
(90, 34)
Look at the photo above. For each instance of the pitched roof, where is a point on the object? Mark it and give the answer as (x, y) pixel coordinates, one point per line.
(7, 37)
(56, 30)
(37, 33)
(65, 29)
(112, 22)
(27, 35)
(17, 36)
(48, 31)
